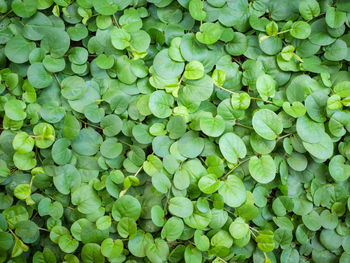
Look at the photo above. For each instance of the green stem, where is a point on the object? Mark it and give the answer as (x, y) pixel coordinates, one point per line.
(115, 21)
(244, 126)
(239, 163)
(167, 201)
(284, 136)
(220, 87)
(124, 143)
(282, 32)
(237, 61)
(221, 259)
(5, 15)
(266, 101)
(58, 81)
(86, 123)
(126, 189)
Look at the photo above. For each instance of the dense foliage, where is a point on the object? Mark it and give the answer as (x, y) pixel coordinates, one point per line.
(174, 131)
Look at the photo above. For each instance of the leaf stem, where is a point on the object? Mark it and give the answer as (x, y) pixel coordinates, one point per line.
(266, 101)
(58, 81)
(237, 61)
(167, 201)
(222, 260)
(126, 189)
(15, 236)
(252, 233)
(86, 123)
(266, 257)
(282, 32)
(5, 15)
(220, 87)
(124, 143)
(252, 228)
(284, 136)
(43, 229)
(115, 21)
(239, 163)
(244, 126)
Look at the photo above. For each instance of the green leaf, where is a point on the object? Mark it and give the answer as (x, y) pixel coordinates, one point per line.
(161, 182)
(209, 184)
(111, 248)
(297, 109)
(157, 251)
(309, 9)
(140, 41)
(194, 70)
(61, 154)
(342, 89)
(172, 229)
(312, 221)
(240, 101)
(24, 161)
(28, 231)
(265, 240)
(180, 207)
(272, 28)
(14, 110)
(238, 45)
(267, 124)
(300, 30)
(127, 227)
(201, 241)
(190, 144)
(80, 146)
(53, 64)
(335, 18)
(196, 10)
(24, 8)
(19, 248)
(6, 241)
(212, 126)
(160, 104)
(23, 143)
(218, 77)
(91, 252)
(232, 147)
(67, 244)
(45, 135)
(266, 86)
(120, 38)
(110, 148)
(339, 170)
(38, 77)
(233, 191)
(105, 62)
(174, 50)
(18, 49)
(73, 87)
(174, 131)
(262, 169)
(336, 51)
(126, 206)
(209, 33)
(238, 228)
(165, 67)
(157, 215)
(192, 254)
(15, 214)
(22, 191)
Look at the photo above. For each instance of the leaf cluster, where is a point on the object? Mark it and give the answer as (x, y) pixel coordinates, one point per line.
(174, 131)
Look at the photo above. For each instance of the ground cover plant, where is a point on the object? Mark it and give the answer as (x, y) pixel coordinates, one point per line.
(174, 131)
